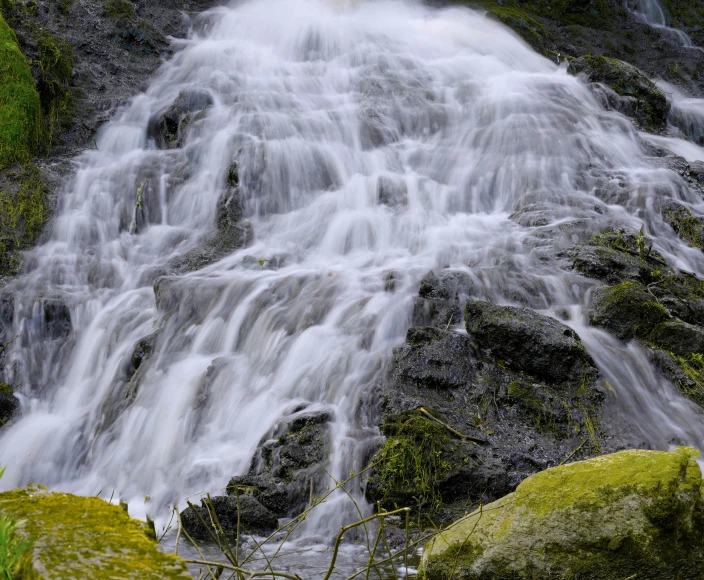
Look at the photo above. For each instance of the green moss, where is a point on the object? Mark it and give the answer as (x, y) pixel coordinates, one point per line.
(411, 463)
(84, 538)
(687, 225)
(23, 214)
(608, 518)
(589, 13)
(20, 109)
(119, 9)
(6, 389)
(527, 27)
(55, 63)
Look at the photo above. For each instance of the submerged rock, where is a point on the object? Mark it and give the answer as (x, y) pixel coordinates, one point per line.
(8, 403)
(169, 129)
(85, 537)
(613, 517)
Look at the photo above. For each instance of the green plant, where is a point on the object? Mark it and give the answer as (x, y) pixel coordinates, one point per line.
(12, 545)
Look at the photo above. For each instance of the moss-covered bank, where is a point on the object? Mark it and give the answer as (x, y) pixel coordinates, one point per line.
(20, 108)
(85, 538)
(628, 515)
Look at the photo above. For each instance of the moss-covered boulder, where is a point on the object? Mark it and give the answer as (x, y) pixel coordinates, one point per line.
(20, 109)
(85, 538)
(627, 310)
(633, 514)
(528, 342)
(645, 102)
(689, 226)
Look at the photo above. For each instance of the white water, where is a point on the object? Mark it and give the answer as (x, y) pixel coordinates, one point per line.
(651, 11)
(320, 103)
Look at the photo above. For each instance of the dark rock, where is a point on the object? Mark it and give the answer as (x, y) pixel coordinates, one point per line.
(272, 495)
(627, 310)
(678, 337)
(649, 105)
(253, 517)
(685, 223)
(57, 319)
(391, 192)
(528, 342)
(169, 130)
(440, 298)
(8, 403)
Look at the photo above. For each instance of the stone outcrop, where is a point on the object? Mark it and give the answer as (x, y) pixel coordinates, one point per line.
(613, 517)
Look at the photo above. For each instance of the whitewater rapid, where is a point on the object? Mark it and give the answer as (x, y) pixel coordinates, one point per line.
(371, 139)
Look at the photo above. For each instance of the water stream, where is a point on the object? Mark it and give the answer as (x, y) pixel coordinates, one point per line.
(371, 138)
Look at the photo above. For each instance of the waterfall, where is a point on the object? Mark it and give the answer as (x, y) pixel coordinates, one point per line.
(368, 140)
(652, 12)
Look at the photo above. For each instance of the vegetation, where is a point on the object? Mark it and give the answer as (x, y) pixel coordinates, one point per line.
(20, 108)
(23, 214)
(411, 463)
(85, 537)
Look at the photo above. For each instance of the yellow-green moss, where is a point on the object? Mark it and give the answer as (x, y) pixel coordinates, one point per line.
(608, 518)
(20, 110)
(23, 214)
(411, 463)
(527, 27)
(85, 538)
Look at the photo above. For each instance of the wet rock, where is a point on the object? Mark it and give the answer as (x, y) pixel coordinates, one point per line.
(609, 264)
(253, 517)
(627, 310)
(57, 319)
(169, 130)
(391, 192)
(8, 403)
(685, 223)
(649, 106)
(528, 342)
(678, 337)
(288, 462)
(610, 517)
(440, 298)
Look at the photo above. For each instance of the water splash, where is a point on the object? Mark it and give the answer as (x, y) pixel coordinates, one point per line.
(371, 139)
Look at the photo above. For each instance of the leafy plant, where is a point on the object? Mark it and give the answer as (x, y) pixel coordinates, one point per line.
(12, 546)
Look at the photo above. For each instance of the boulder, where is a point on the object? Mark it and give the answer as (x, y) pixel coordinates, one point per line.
(85, 537)
(627, 310)
(643, 100)
(528, 342)
(253, 517)
(169, 129)
(8, 403)
(632, 514)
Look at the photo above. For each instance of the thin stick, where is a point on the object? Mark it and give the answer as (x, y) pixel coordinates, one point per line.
(4, 346)
(474, 440)
(348, 527)
(188, 537)
(250, 573)
(571, 455)
(178, 532)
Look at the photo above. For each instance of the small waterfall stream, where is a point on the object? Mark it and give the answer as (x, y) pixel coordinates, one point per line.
(371, 138)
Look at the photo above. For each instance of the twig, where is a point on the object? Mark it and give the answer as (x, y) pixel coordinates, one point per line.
(188, 537)
(249, 573)
(178, 532)
(571, 455)
(455, 432)
(348, 527)
(4, 346)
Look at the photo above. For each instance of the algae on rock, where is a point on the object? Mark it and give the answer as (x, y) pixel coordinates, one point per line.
(85, 538)
(611, 517)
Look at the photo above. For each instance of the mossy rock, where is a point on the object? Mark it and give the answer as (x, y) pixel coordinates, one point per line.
(520, 21)
(85, 538)
(20, 108)
(685, 223)
(632, 514)
(24, 212)
(627, 310)
(651, 104)
(589, 13)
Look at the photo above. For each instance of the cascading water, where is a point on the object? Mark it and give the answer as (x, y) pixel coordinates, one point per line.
(370, 138)
(651, 11)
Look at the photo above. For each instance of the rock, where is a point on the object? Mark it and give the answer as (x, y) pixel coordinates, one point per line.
(528, 342)
(612, 517)
(85, 537)
(169, 129)
(440, 298)
(685, 223)
(651, 104)
(272, 495)
(678, 337)
(391, 192)
(609, 264)
(254, 518)
(627, 310)
(8, 403)
(57, 319)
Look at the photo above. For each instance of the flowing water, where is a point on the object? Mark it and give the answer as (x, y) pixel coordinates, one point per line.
(372, 139)
(652, 12)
